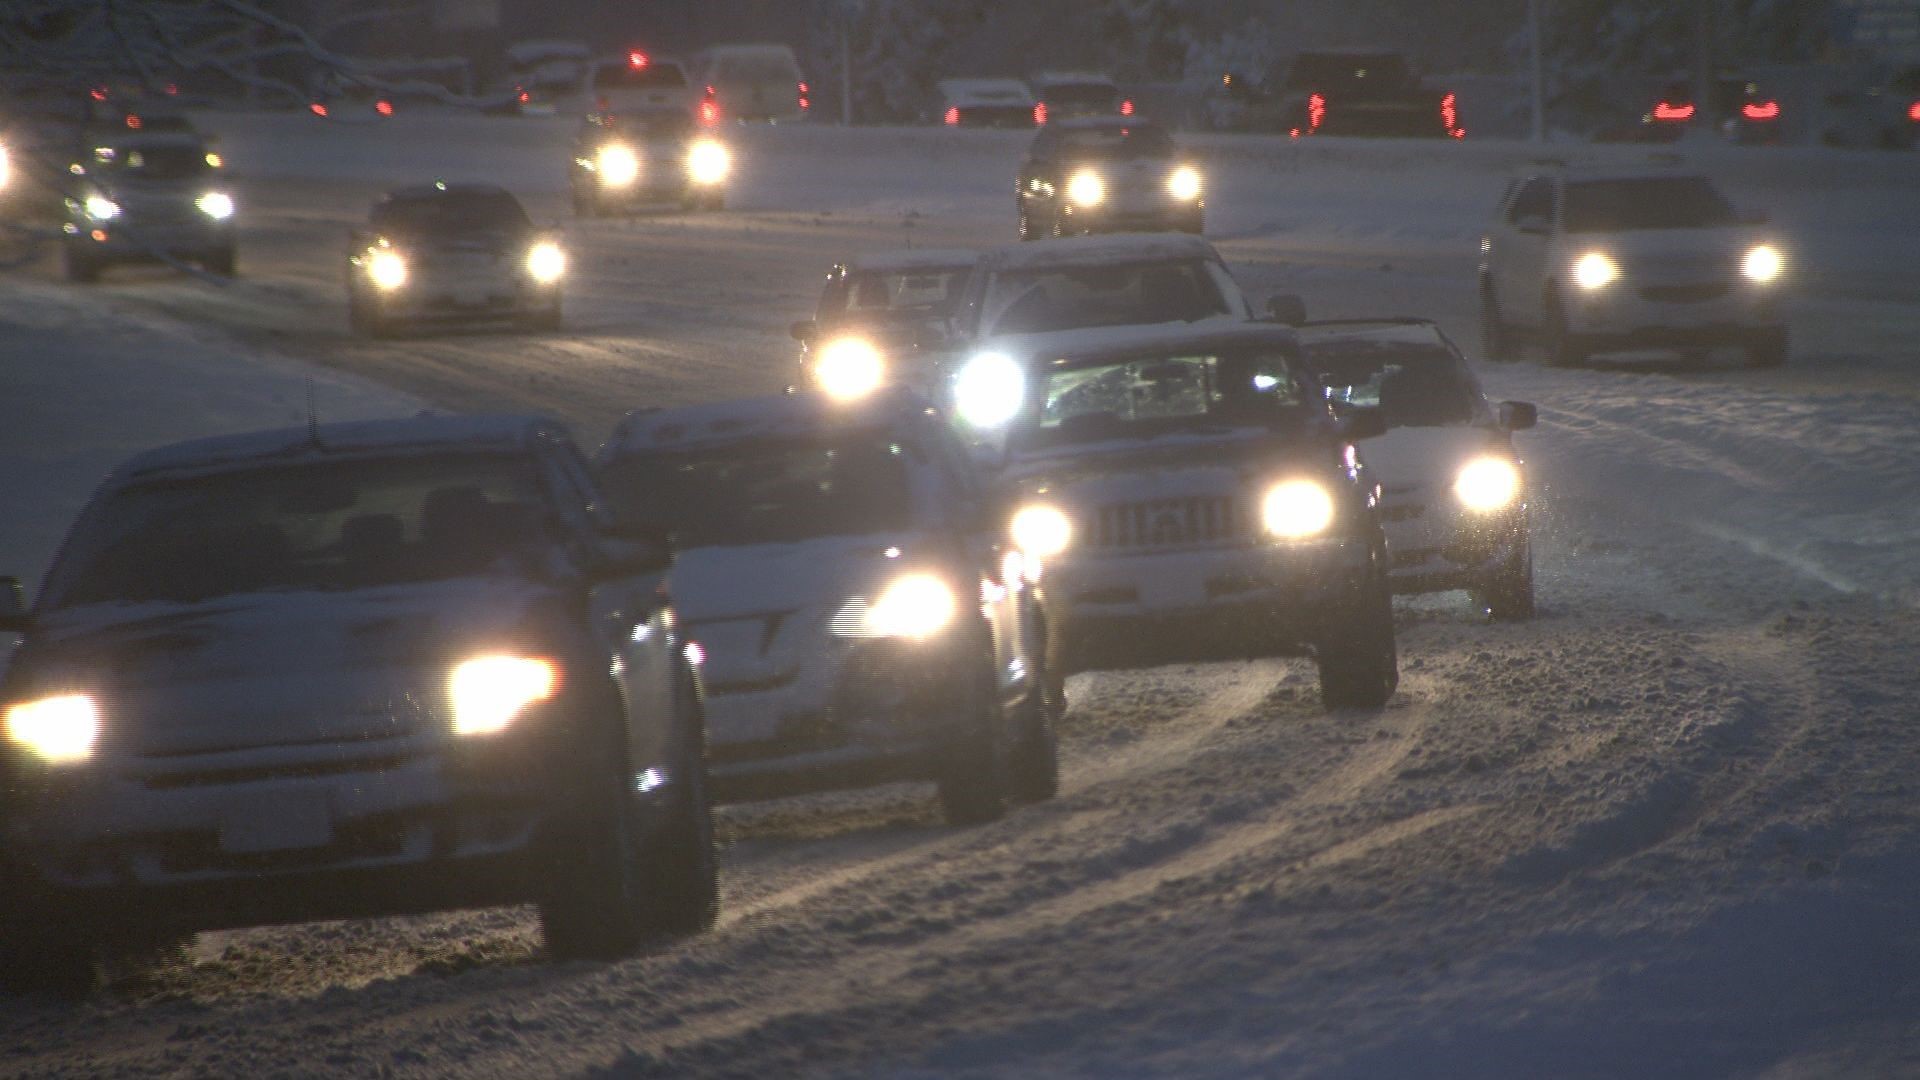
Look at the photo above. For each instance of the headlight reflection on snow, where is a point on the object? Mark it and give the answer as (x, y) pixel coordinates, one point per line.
(489, 692)
(58, 730)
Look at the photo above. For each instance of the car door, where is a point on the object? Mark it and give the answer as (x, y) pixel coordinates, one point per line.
(1004, 598)
(1036, 182)
(1520, 248)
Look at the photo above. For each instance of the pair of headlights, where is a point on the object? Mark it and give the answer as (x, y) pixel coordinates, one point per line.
(217, 205)
(486, 693)
(1087, 188)
(708, 162)
(1761, 264)
(545, 263)
(987, 390)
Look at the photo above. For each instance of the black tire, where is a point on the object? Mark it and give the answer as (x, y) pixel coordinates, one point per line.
(1768, 350)
(1359, 661)
(1496, 337)
(1507, 594)
(1033, 767)
(683, 896)
(716, 200)
(974, 777)
(222, 261)
(1027, 231)
(593, 909)
(365, 319)
(41, 957)
(79, 267)
(545, 322)
(1563, 348)
(585, 203)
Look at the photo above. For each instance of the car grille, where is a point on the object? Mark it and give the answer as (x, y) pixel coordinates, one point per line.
(1685, 294)
(1163, 523)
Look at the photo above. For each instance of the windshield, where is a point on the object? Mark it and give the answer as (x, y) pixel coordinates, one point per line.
(889, 295)
(179, 161)
(452, 213)
(1678, 202)
(1119, 144)
(1072, 298)
(768, 492)
(1414, 385)
(1086, 402)
(1087, 97)
(331, 525)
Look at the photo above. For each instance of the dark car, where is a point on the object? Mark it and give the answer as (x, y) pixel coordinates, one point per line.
(1884, 113)
(1064, 95)
(1107, 175)
(147, 189)
(622, 161)
(344, 671)
(999, 103)
(449, 254)
(1455, 494)
(879, 319)
(1737, 108)
(860, 621)
(1188, 493)
(1364, 93)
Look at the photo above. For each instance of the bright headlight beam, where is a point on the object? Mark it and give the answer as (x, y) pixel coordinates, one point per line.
(1295, 509)
(1184, 183)
(546, 263)
(1595, 270)
(387, 270)
(1487, 484)
(708, 162)
(913, 606)
(988, 391)
(217, 205)
(1041, 530)
(617, 165)
(101, 208)
(6, 168)
(1086, 188)
(848, 369)
(490, 692)
(1763, 263)
(57, 730)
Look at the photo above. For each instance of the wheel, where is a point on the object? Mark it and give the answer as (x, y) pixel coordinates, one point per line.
(223, 261)
(80, 267)
(974, 777)
(585, 204)
(364, 318)
(546, 321)
(1359, 663)
(716, 200)
(1507, 593)
(39, 956)
(1496, 339)
(1027, 231)
(1768, 349)
(1562, 347)
(1033, 767)
(685, 897)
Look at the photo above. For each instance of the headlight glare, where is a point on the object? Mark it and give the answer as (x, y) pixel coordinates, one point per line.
(57, 730)
(617, 165)
(989, 389)
(546, 263)
(217, 205)
(1595, 270)
(849, 368)
(914, 606)
(6, 168)
(1042, 531)
(1487, 484)
(1763, 263)
(1184, 183)
(101, 208)
(386, 269)
(489, 692)
(708, 162)
(1296, 509)
(1086, 188)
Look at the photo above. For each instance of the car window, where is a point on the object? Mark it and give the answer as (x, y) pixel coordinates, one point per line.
(452, 212)
(341, 524)
(1091, 401)
(1659, 202)
(151, 162)
(1071, 298)
(1140, 143)
(904, 294)
(767, 492)
(1535, 199)
(1413, 385)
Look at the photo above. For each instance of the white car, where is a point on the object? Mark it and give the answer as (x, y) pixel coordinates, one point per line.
(1587, 264)
(841, 570)
(1454, 491)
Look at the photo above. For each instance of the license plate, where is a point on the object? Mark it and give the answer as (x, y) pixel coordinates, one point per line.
(276, 821)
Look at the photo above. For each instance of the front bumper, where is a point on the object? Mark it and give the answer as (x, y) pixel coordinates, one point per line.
(1439, 549)
(426, 298)
(132, 240)
(1625, 314)
(1143, 216)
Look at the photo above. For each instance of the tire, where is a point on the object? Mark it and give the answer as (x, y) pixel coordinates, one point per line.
(1359, 661)
(1496, 338)
(1033, 768)
(1563, 349)
(594, 909)
(366, 320)
(1507, 594)
(585, 204)
(716, 201)
(974, 775)
(41, 957)
(1769, 350)
(79, 268)
(1027, 231)
(222, 261)
(685, 897)
(545, 322)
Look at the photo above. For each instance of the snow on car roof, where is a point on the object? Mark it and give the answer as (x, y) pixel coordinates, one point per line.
(887, 262)
(363, 437)
(1113, 249)
(653, 431)
(985, 91)
(1407, 331)
(1097, 340)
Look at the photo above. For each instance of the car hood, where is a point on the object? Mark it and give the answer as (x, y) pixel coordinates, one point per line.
(501, 242)
(276, 668)
(1168, 467)
(1412, 462)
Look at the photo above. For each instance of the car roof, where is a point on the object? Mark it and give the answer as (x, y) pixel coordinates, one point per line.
(360, 438)
(1112, 249)
(923, 259)
(440, 189)
(1096, 341)
(785, 415)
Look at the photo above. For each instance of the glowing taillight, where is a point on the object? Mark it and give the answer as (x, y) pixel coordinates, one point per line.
(1913, 112)
(1669, 111)
(636, 59)
(1126, 108)
(709, 113)
(1316, 112)
(317, 109)
(98, 93)
(1039, 114)
(953, 116)
(173, 89)
(133, 121)
(1761, 110)
(383, 107)
(525, 97)
(1449, 114)
(1459, 133)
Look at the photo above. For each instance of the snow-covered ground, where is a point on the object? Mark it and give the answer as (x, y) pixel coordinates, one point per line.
(1669, 828)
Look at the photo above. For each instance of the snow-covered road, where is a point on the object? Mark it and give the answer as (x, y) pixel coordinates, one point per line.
(1670, 828)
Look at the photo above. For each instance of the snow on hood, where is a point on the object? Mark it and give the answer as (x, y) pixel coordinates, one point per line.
(710, 583)
(1410, 457)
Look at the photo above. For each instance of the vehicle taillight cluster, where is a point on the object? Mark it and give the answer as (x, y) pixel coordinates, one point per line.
(1668, 111)
(1450, 117)
(1913, 112)
(1316, 115)
(804, 103)
(317, 109)
(637, 59)
(1039, 114)
(709, 109)
(953, 116)
(1126, 107)
(383, 107)
(1761, 110)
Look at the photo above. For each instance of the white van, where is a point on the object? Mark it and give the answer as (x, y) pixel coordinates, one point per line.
(753, 82)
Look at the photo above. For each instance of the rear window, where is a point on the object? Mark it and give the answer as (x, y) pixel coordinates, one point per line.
(166, 162)
(452, 212)
(1679, 202)
(902, 293)
(1320, 71)
(757, 67)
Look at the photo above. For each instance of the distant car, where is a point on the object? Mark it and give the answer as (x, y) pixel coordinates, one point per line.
(1739, 110)
(625, 160)
(1240, 102)
(882, 319)
(1187, 493)
(1365, 93)
(1884, 115)
(448, 254)
(341, 671)
(146, 190)
(841, 572)
(999, 103)
(546, 75)
(753, 83)
(1455, 495)
(1593, 263)
(1063, 95)
(638, 82)
(1107, 175)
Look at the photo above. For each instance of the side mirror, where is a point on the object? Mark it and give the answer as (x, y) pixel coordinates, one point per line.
(1287, 309)
(1363, 422)
(804, 330)
(1533, 225)
(1518, 415)
(13, 606)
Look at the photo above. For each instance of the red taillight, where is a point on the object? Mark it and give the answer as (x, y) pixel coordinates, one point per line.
(317, 109)
(1039, 114)
(805, 104)
(1449, 114)
(803, 88)
(953, 116)
(1913, 112)
(1126, 108)
(525, 97)
(1316, 112)
(98, 93)
(133, 121)
(173, 89)
(709, 113)
(1669, 111)
(636, 59)
(383, 107)
(1761, 110)
(1459, 133)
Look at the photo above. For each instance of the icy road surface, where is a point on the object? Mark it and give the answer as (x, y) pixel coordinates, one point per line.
(1672, 827)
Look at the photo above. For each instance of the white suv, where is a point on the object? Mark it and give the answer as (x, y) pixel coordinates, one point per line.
(1655, 260)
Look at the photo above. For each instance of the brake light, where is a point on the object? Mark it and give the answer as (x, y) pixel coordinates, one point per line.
(1449, 114)
(1039, 114)
(709, 113)
(1316, 112)
(133, 121)
(525, 97)
(636, 59)
(953, 116)
(98, 93)
(804, 103)
(1126, 108)
(317, 109)
(173, 89)
(1913, 112)
(1459, 133)
(383, 107)
(1668, 111)
(1762, 110)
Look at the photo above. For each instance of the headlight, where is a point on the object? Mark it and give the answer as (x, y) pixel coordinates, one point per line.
(55, 729)
(6, 167)
(1763, 263)
(708, 162)
(488, 692)
(849, 368)
(1487, 484)
(387, 270)
(618, 165)
(1086, 188)
(913, 606)
(101, 208)
(217, 205)
(546, 262)
(988, 390)
(1296, 509)
(1042, 531)
(1595, 270)
(1184, 183)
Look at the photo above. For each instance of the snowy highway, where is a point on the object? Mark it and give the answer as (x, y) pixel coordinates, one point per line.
(1671, 827)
